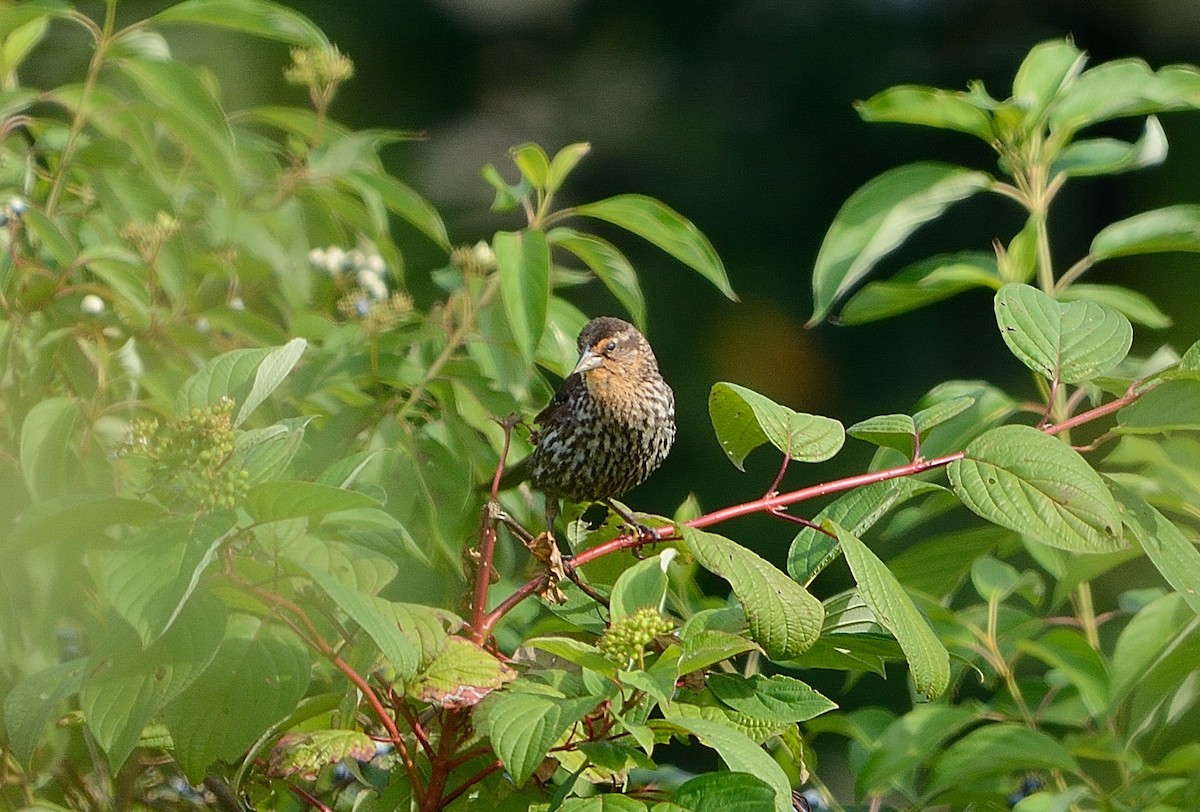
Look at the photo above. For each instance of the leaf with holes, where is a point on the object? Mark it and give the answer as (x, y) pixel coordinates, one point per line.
(1071, 342)
(1025, 480)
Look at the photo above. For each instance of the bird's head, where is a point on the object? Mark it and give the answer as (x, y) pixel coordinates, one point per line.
(613, 357)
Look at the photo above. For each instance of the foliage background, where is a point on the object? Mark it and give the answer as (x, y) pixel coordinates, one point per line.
(738, 114)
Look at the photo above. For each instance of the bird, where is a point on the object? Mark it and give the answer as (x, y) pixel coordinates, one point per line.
(609, 425)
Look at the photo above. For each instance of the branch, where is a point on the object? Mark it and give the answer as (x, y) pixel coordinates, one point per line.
(487, 540)
(774, 503)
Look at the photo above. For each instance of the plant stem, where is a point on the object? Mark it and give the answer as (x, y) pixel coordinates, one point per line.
(771, 504)
(453, 342)
(103, 38)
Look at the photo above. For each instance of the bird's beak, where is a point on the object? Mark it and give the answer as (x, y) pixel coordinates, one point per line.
(588, 361)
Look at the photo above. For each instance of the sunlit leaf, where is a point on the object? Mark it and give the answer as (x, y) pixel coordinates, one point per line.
(928, 106)
(1027, 481)
(1172, 553)
(1110, 156)
(921, 284)
(257, 17)
(744, 420)
(785, 619)
(879, 217)
(609, 265)
(739, 753)
(259, 673)
(1173, 228)
(1071, 342)
(666, 228)
(927, 657)
(523, 261)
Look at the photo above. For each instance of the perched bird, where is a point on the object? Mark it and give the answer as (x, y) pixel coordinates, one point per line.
(609, 425)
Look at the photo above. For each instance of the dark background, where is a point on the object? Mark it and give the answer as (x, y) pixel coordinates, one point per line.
(739, 115)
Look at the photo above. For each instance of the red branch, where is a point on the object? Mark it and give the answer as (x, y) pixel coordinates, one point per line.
(487, 545)
(773, 503)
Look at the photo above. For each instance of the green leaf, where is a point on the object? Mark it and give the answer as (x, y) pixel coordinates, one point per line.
(929, 107)
(1131, 304)
(776, 698)
(860, 509)
(996, 749)
(994, 579)
(78, 516)
(54, 241)
(304, 754)
(784, 618)
(1172, 228)
(1172, 553)
(926, 655)
(185, 105)
(403, 201)
(1048, 68)
(1156, 629)
(577, 652)
(891, 430)
(1072, 342)
(219, 716)
(266, 453)
(126, 685)
(644, 585)
(150, 579)
(920, 284)
(604, 802)
(460, 675)
(1169, 406)
(710, 646)
(257, 17)
(938, 413)
(270, 373)
(1019, 478)
(374, 615)
(907, 743)
(1111, 156)
(563, 162)
(45, 447)
(35, 701)
(227, 375)
(523, 261)
(657, 223)
(534, 164)
(739, 753)
(609, 265)
(1124, 87)
(20, 41)
(524, 726)
(744, 420)
(292, 499)
(879, 217)
(1067, 651)
(722, 792)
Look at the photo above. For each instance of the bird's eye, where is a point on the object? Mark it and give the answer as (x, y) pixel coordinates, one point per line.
(610, 346)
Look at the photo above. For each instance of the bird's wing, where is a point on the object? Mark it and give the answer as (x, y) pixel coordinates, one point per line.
(565, 391)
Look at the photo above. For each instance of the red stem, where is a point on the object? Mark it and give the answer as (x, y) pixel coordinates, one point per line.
(487, 546)
(308, 799)
(772, 503)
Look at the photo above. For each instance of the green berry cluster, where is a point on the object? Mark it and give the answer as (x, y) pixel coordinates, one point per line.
(625, 639)
(189, 458)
